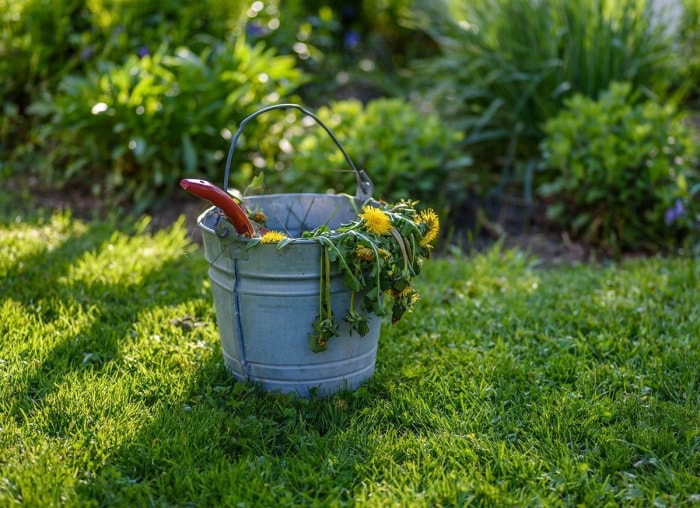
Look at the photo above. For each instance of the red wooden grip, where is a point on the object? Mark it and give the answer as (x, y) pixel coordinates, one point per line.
(233, 211)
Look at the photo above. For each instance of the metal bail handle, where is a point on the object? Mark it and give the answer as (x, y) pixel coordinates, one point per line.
(365, 187)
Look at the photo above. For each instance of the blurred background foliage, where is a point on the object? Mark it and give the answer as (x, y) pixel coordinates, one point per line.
(461, 104)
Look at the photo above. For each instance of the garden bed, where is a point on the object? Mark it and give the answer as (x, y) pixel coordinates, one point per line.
(539, 239)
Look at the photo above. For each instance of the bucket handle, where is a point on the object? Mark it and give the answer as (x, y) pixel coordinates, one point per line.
(365, 187)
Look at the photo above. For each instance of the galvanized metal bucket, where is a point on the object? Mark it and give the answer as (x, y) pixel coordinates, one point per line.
(267, 299)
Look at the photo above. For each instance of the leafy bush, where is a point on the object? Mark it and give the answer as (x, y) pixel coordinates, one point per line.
(507, 66)
(42, 40)
(356, 49)
(134, 129)
(407, 153)
(616, 169)
(37, 42)
(122, 27)
(688, 28)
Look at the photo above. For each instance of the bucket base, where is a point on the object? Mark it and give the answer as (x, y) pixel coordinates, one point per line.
(320, 387)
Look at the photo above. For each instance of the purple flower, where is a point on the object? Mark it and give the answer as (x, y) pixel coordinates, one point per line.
(674, 213)
(87, 53)
(143, 51)
(352, 39)
(255, 29)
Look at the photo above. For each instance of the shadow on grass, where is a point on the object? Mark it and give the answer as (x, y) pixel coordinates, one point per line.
(210, 441)
(222, 442)
(103, 317)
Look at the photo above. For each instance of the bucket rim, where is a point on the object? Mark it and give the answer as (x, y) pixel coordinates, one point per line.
(343, 195)
(224, 229)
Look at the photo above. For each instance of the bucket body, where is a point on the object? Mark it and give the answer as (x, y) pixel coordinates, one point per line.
(267, 300)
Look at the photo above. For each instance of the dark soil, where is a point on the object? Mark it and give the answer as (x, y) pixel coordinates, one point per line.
(472, 229)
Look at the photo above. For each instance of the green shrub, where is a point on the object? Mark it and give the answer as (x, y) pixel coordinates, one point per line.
(38, 42)
(688, 28)
(506, 66)
(122, 27)
(42, 40)
(351, 49)
(616, 168)
(134, 129)
(407, 153)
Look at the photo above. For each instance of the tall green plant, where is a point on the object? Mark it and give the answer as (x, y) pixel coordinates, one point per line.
(41, 41)
(507, 66)
(37, 44)
(688, 27)
(359, 49)
(124, 27)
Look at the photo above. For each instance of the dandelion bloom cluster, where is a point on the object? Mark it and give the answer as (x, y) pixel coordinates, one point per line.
(375, 220)
(273, 237)
(429, 218)
(364, 253)
(379, 254)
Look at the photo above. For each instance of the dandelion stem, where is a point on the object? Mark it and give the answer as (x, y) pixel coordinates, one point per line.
(402, 246)
(321, 291)
(327, 288)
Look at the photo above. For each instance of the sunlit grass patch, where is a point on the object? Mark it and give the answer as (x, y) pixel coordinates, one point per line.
(508, 384)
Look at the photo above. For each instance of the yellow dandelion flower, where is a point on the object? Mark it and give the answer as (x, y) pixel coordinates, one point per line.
(407, 296)
(364, 253)
(376, 221)
(410, 295)
(431, 219)
(273, 237)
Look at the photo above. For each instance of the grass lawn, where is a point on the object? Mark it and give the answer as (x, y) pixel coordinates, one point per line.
(509, 385)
